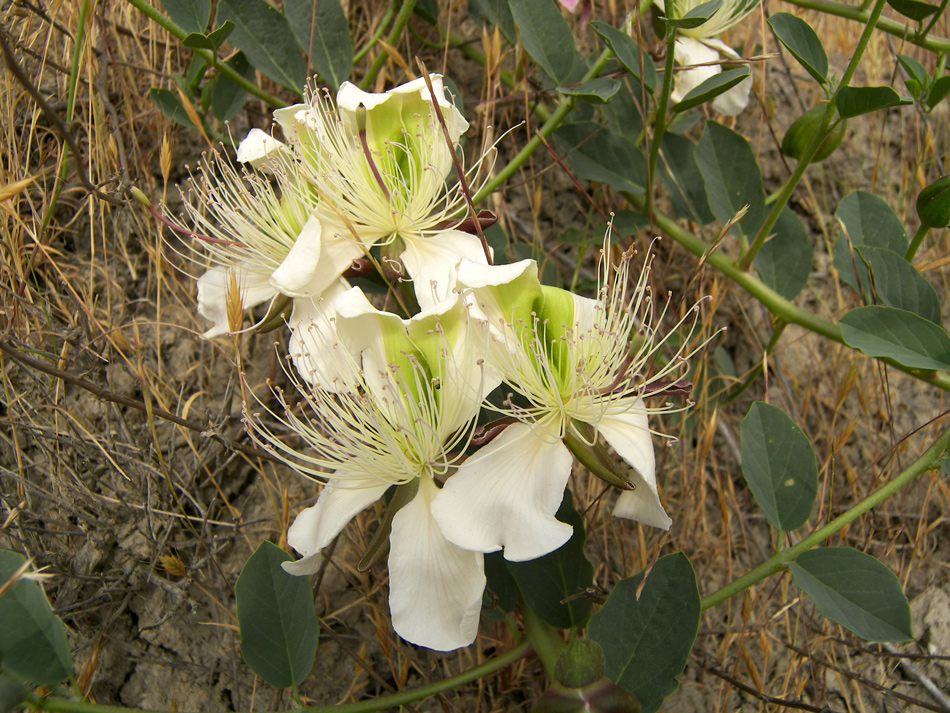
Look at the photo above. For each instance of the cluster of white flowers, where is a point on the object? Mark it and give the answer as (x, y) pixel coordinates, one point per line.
(387, 402)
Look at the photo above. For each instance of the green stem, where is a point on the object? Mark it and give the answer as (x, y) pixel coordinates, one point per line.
(59, 705)
(210, 57)
(933, 21)
(898, 29)
(563, 109)
(817, 140)
(782, 559)
(774, 302)
(405, 12)
(544, 638)
(371, 42)
(661, 107)
(915, 243)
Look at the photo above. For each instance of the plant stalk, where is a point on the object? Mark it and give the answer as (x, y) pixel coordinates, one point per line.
(915, 243)
(402, 19)
(782, 559)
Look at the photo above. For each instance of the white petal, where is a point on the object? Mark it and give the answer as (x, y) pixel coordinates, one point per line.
(297, 270)
(688, 52)
(735, 100)
(253, 287)
(585, 314)
(432, 262)
(435, 588)
(628, 433)
(315, 527)
(314, 347)
(290, 118)
(256, 146)
(506, 495)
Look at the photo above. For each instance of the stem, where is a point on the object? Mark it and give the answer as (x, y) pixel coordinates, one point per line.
(662, 105)
(405, 12)
(60, 705)
(782, 559)
(371, 42)
(210, 57)
(774, 302)
(898, 29)
(915, 243)
(563, 109)
(544, 638)
(933, 21)
(817, 140)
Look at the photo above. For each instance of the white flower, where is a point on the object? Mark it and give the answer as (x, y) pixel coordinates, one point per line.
(404, 421)
(385, 174)
(578, 363)
(705, 52)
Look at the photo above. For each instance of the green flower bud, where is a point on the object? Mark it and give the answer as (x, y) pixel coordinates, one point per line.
(802, 131)
(933, 204)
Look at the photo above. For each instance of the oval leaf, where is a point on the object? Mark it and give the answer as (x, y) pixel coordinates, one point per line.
(867, 220)
(732, 177)
(279, 631)
(323, 33)
(711, 88)
(546, 37)
(898, 284)
(938, 91)
(784, 262)
(802, 42)
(227, 97)
(779, 465)
(190, 15)
(554, 585)
(628, 53)
(887, 332)
(917, 77)
(699, 15)
(680, 174)
(33, 644)
(854, 589)
(595, 91)
(262, 32)
(597, 154)
(12, 694)
(914, 9)
(647, 638)
(933, 204)
(169, 103)
(853, 101)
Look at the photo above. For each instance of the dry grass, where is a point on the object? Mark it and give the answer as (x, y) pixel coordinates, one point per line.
(146, 521)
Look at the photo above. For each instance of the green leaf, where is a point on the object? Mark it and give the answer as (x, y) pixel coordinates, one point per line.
(594, 91)
(732, 178)
(854, 101)
(597, 154)
(212, 41)
(33, 644)
(496, 13)
(628, 53)
(680, 174)
(647, 639)
(784, 262)
(800, 134)
(779, 465)
(190, 15)
(898, 334)
(711, 87)
(262, 32)
(501, 590)
(12, 694)
(279, 631)
(898, 284)
(938, 91)
(855, 590)
(914, 9)
(546, 37)
(867, 220)
(564, 574)
(802, 42)
(695, 17)
(933, 203)
(227, 97)
(323, 33)
(917, 77)
(169, 103)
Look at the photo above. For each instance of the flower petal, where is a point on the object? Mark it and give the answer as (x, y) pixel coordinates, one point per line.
(506, 495)
(256, 147)
(314, 528)
(628, 433)
(213, 286)
(314, 346)
(432, 262)
(688, 52)
(319, 256)
(435, 588)
(735, 100)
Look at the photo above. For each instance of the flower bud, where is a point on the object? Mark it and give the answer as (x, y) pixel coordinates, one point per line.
(580, 684)
(802, 131)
